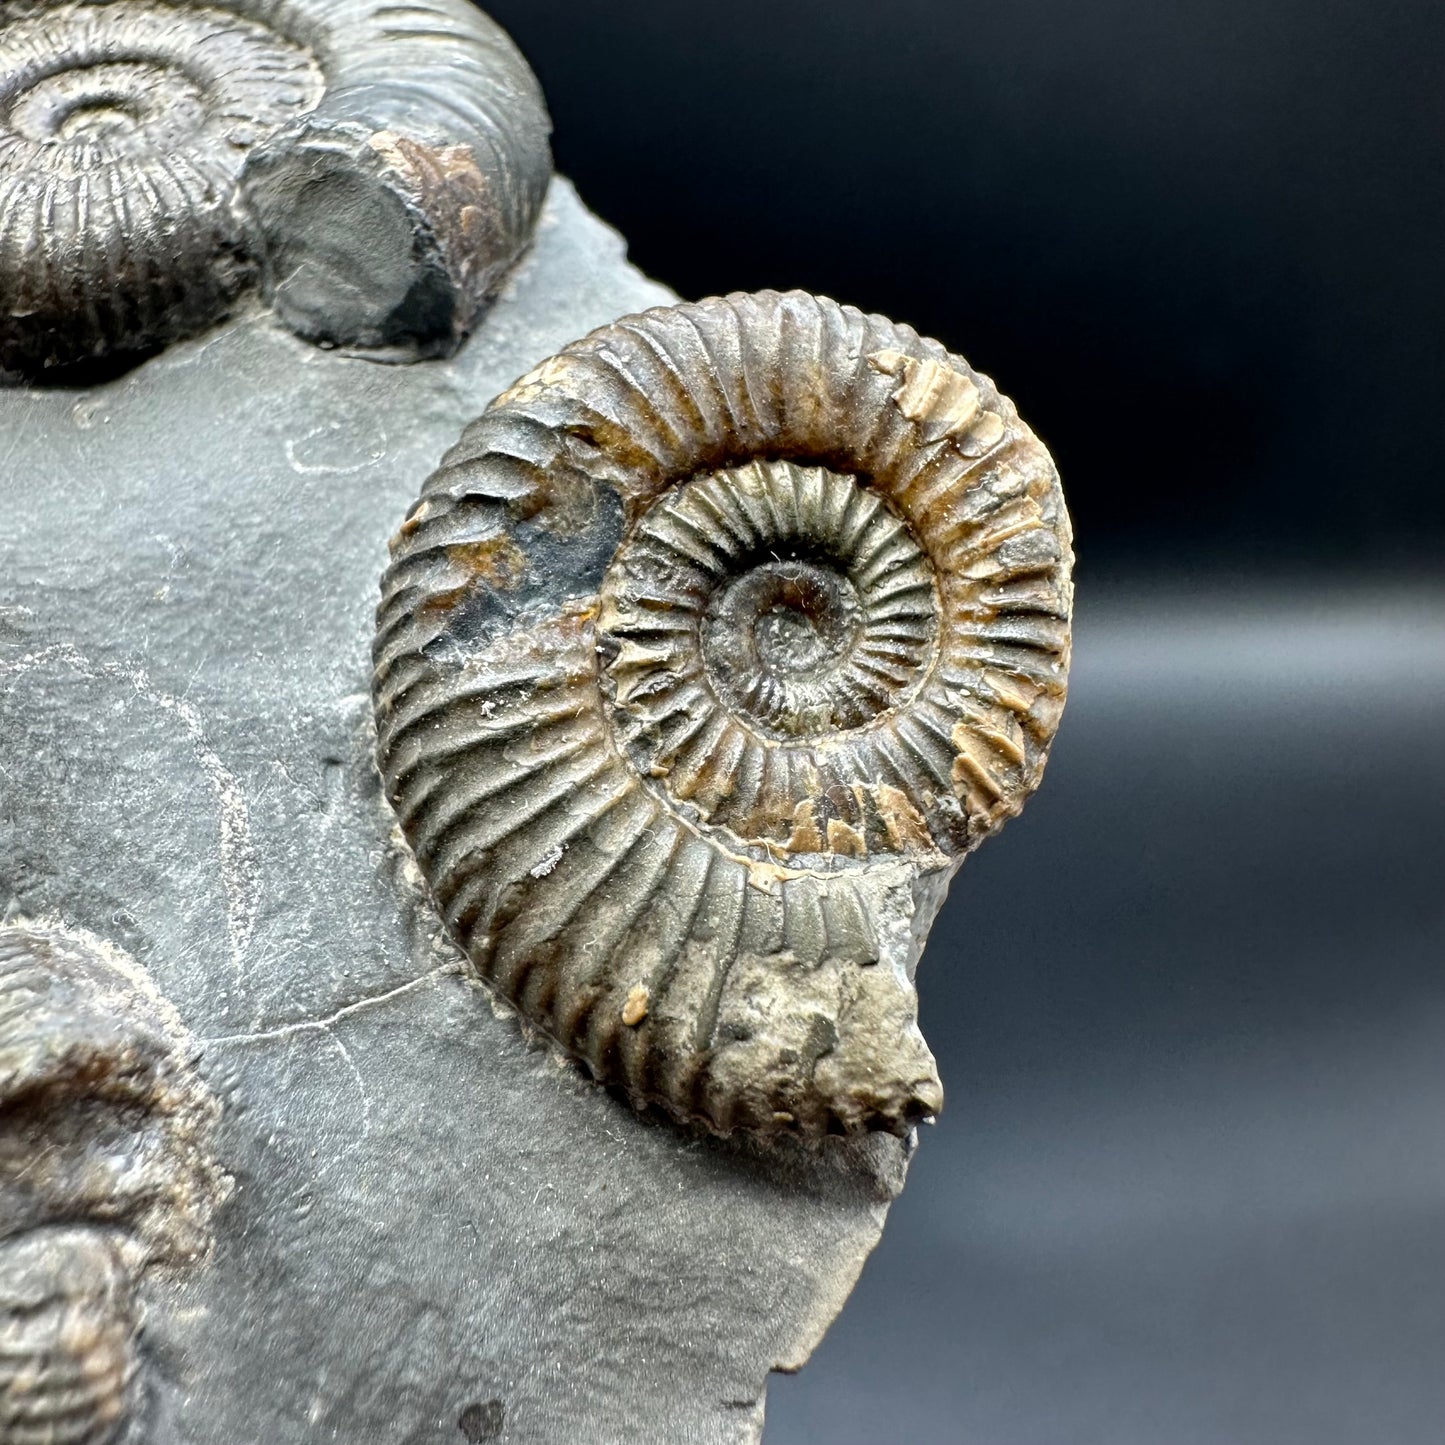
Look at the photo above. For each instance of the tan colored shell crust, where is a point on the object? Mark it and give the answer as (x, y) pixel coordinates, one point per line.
(704, 657)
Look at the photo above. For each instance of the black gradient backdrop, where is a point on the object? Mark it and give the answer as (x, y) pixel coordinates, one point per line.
(1200, 241)
(1190, 1183)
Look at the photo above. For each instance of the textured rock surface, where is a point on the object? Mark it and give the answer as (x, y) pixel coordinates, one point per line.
(438, 1231)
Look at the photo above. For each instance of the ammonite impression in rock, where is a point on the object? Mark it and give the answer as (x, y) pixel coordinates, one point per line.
(703, 659)
(105, 1172)
(381, 165)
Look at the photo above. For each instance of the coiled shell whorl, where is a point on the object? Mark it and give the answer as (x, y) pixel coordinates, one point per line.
(102, 1115)
(381, 165)
(390, 214)
(704, 657)
(123, 129)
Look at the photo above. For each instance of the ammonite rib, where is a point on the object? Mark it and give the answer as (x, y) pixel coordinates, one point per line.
(102, 1114)
(383, 164)
(123, 129)
(706, 655)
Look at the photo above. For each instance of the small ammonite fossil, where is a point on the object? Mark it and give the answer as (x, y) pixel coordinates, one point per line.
(106, 1171)
(705, 656)
(379, 165)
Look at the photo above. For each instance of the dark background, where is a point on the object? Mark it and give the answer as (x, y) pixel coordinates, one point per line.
(1190, 1183)
(1199, 241)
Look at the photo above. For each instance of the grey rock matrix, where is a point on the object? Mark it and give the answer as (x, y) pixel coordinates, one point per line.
(436, 1229)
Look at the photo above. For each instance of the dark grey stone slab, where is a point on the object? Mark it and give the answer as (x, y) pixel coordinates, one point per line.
(438, 1231)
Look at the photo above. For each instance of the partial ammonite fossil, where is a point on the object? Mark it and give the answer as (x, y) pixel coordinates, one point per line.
(703, 659)
(381, 164)
(106, 1170)
(69, 1331)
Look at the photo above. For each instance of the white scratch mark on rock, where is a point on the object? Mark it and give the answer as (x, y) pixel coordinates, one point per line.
(327, 1027)
(329, 432)
(324, 1025)
(360, 1082)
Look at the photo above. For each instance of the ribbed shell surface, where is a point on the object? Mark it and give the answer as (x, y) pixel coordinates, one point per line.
(105, 1168)
(123, 131)
(156, 157)
(391, 212)
(707, 652)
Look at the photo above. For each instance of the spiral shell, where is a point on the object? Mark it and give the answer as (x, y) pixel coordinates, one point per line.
(383, 164)
(704, 657)
(68, 1341)
(390, 214)
(102, 1116)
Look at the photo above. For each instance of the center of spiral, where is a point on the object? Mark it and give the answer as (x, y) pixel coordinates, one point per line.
(183, 87)
(96, 115)
(753, 615)
(775, 637)
(114, 104)
(806, 617)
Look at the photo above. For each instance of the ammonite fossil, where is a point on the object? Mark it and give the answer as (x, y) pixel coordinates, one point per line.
(390, 214)
(105, 1170)
(383, 163)
(102, 1115)
(703, 659)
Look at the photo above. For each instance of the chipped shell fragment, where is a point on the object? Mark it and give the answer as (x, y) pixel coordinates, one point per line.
(710, 650)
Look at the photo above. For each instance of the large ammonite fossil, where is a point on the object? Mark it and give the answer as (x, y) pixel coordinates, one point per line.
(381, 165)
(703, 659)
